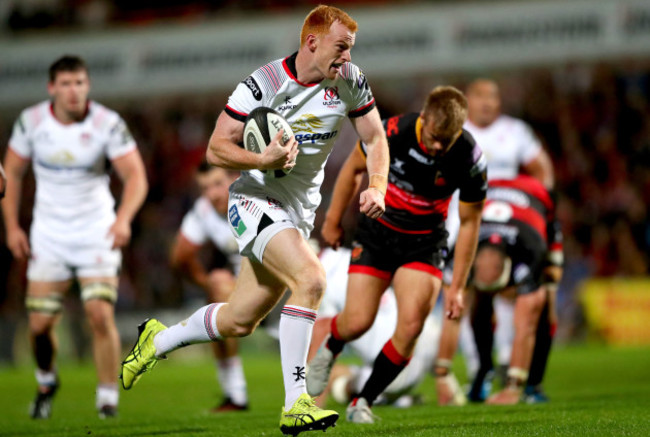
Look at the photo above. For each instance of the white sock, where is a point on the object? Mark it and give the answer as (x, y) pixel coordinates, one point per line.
(296, 324)
(200, 327)
(45, 377)
(107, 394)
(232, 380)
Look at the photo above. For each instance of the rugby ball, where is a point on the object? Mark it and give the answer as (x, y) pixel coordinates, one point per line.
(261, 125)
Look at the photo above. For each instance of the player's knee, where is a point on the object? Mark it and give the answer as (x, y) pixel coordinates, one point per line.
(358, 325)
(311, 284)
(243, 328)
(39, 326)
(410, 331)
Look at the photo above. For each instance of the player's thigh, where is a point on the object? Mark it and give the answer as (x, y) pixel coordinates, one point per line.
(415, 292)
(289, 258)
(256, 292)
(44, 303)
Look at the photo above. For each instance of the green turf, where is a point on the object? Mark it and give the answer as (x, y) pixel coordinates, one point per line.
(595, 390)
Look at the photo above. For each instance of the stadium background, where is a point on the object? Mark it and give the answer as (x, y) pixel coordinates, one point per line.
(578, 72)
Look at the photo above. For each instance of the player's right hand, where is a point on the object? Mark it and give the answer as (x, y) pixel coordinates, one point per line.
(277, 156)
(18, 244)
(371, 203)
(332, 234)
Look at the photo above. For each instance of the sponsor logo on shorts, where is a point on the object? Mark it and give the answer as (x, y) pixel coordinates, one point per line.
(357, 250)
(235, 220)
(254, 87)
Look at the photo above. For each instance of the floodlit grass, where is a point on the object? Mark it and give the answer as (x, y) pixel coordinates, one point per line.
(594, 390)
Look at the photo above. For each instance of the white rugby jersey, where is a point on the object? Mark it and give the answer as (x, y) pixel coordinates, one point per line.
(203, 223)
(507, 144)
(315, 113)
(73, 199)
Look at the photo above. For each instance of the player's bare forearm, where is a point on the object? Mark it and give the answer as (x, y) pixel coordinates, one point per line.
(130, 169)
(541, 168)
(346, 186)
(470, 221)
(15, 168)
(224, 151)
(184, 259)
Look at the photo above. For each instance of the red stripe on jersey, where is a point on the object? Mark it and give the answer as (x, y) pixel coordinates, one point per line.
(363, 107)
(528, 185)
(415, 204)
(403, 231)
(371, 271)
(424, 267)
(270, 74)
(243, 114)
(288, 70)
(531, 218)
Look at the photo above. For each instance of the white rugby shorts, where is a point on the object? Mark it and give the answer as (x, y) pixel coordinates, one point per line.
(53, 260)
(256, 216)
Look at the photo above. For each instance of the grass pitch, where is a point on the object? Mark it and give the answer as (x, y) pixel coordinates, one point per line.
(594, 390)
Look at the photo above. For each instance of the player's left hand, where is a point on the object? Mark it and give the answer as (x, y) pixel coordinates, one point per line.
(121, 233)
(454, 304)
(371, 203)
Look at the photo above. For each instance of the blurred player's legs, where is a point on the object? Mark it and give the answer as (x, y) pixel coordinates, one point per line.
(533, 393)
(44, 303)
(504, 309)
(99, 295)
(528, 308)
(230, 374)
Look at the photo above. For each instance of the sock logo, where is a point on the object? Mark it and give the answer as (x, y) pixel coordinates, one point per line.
(299, 373)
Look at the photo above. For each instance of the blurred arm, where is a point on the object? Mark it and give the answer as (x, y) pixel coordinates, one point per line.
(15, 167)
(470, 220)
(184, 258)
(131, 172)
(541, 168)
(346, 187)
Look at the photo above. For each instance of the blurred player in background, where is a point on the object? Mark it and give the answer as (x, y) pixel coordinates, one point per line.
(207, 221)
(272, 217)
(510, 147)
(346, 381)
(520, 251)
(431, 157)
(75, 233)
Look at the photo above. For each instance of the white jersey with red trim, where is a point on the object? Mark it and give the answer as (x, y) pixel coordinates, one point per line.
(203, 223)
(73, 199)
(315, 113)
(507, 143)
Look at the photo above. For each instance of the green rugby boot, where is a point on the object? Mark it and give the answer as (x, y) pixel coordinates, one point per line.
(143, 354)
(304, 415)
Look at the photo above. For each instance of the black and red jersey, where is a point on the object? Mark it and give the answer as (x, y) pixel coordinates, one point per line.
(523, 201)
(420, 185)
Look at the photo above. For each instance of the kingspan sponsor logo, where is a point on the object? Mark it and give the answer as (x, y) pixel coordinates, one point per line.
(306, 129)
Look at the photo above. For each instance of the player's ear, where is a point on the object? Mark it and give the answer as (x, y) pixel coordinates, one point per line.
(311, 42)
